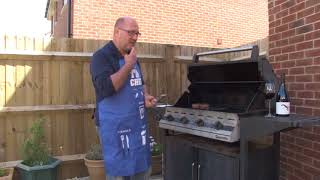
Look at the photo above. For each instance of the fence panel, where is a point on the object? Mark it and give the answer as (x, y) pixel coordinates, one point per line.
(57, 86)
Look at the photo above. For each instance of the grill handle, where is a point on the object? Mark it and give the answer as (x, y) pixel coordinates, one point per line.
(199, 172)
(192, 168)
(254, 52)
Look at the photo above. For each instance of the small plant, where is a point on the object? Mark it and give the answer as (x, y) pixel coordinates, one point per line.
(94, 162)
(156, 149)
(95, 152)
(3, 172)
(34, 149)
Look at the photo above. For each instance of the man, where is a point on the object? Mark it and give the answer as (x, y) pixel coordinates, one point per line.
(121, 99)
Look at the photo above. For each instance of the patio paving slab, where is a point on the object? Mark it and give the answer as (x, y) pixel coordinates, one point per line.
(156, 177)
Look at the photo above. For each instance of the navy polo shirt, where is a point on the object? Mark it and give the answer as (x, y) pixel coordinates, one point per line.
(104, 63)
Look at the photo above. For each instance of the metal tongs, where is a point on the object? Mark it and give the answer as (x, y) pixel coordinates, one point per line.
(160, 108)
(162, 105)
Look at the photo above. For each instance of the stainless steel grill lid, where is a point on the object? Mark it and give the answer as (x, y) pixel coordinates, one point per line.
(231, 86)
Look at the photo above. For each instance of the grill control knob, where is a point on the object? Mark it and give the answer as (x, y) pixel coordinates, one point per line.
(218, 125)
(184, 120)
(200, 122)
(169, 118)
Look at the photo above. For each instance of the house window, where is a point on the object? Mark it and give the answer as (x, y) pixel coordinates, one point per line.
(63, 5)
(64, 2)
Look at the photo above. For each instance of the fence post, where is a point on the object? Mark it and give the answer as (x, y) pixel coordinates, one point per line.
(171, 80)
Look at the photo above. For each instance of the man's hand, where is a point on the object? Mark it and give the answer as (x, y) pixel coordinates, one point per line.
(120, 77)
(131, 58)
(150, 101)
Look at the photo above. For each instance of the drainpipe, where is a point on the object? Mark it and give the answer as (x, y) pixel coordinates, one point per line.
(69, 34)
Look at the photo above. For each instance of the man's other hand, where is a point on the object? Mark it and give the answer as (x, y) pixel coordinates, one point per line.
(150, 101)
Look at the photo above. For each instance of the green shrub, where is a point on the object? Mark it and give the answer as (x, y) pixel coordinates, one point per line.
(156, 149)
(34, 149)
(2, 172)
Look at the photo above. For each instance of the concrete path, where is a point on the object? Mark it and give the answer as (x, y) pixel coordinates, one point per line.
(157, 177)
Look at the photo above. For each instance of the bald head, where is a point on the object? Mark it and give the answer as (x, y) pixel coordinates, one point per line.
(124, 20)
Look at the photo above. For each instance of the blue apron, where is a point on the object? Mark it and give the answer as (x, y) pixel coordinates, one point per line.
(123, 128)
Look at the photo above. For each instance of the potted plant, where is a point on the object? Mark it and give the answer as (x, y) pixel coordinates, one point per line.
(94, 162)
(37, 164)
(6, 173)
(156, 160)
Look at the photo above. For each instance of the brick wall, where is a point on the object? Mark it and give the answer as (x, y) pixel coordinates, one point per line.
(194, 23)
(60, 23)
(294, 48)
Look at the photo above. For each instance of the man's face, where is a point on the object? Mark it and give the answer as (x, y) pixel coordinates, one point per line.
(127, 35)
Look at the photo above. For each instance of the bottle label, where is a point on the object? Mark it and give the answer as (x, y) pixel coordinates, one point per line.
(283, 108)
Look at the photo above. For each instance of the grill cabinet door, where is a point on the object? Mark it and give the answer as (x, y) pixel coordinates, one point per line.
(214, 166)
(178, 160)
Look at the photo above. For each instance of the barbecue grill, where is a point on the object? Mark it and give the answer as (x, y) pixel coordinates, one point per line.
(209, 132)
(219, 94)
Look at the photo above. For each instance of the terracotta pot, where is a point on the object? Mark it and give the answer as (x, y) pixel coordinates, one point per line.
(10, 174)
(95, 169)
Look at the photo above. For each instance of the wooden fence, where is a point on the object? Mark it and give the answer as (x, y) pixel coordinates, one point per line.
(56, 84)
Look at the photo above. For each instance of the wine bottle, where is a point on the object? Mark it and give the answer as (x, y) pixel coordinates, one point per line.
(282, 99)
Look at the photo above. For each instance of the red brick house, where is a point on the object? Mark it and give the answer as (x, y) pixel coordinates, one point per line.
(203, 23)
(294, 48)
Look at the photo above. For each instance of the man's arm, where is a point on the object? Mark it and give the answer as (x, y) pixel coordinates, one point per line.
(101, 69)
(119, 78)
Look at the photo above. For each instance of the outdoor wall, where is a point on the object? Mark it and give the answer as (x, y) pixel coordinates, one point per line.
(294, 49)
(60, 20)
(193, 23)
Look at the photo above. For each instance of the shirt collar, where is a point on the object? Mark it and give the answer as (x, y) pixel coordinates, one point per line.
(114, 50)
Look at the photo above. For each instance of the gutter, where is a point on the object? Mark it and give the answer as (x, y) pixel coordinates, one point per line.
(47, 8)
(69, 33)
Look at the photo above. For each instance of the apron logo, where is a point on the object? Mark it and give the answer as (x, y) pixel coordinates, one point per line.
(127, 138)
(143, 137)
(124, 138)
(122, 141)
(124, 131)
(141, 110)
(125, 141)
(135, 78)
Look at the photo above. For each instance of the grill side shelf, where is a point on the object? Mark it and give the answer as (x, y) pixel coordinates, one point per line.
(258, 126)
